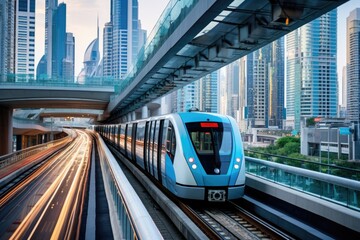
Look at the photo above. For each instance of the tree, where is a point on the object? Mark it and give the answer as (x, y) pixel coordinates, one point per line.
(281, 142)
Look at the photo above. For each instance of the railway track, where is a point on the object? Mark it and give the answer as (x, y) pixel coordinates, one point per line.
(230, 221)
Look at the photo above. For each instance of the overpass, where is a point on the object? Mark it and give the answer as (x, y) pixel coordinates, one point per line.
(51, 93)
(56, 94)
(194, 38)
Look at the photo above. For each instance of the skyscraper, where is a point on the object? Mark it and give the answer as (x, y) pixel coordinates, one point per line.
(68, 62)
(311, 70)
(201, 94)
(6, 38)
(257, 86)
(50, 8)
(276, 86)
(208, 93)
(232, 89)
(25, 38)
(58, 57)
(352, 64)
(58, 41)
(121, 38)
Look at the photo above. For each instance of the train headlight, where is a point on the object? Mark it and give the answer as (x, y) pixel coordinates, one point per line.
(194, 166)
(238, 160)
(191, 160)
(236, 166)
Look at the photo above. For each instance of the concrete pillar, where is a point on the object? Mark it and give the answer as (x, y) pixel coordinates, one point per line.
(144, 112)
(133, 116)
(6, 130)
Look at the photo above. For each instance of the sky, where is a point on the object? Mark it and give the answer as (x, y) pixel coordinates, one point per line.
(82, 22)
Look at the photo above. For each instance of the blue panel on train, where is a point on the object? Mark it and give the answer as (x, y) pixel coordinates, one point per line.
(216, 180)
(170, 174)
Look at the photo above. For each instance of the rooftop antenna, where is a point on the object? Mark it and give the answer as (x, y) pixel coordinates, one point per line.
(97, 26)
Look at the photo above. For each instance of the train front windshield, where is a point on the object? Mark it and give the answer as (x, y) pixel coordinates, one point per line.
(212, 142)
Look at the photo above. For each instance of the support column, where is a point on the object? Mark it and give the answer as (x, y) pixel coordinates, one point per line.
(6, 130)
(144, 112)
(133, 116)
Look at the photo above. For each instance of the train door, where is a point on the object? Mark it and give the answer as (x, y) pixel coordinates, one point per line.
(140, 144)
(156, 151)
(161, 151)
(151, 150)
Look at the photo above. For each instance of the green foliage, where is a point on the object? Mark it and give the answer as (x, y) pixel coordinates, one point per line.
(310, 122)
(281, 142)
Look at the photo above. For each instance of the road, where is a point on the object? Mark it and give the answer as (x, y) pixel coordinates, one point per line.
(47, 203)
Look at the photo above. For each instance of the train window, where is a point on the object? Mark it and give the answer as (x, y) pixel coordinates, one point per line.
(140, 135)
(128, 140)
(122, 138)
(213, 145)
(147, 145)
(171, 142)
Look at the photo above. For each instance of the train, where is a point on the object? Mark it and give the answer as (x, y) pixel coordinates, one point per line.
(194, 155)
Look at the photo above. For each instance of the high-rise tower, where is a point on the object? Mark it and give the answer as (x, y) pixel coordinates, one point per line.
(353, 65)
(311, 70)
(121, 38)
(25, 38)
(6, 38)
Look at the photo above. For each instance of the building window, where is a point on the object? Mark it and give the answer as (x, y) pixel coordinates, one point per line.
(23, 5)
(32, 5)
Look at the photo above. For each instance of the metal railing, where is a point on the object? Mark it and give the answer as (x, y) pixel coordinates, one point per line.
(17, 156)
(336, 189)
(323, 167)
(132, 218)
(30, 80)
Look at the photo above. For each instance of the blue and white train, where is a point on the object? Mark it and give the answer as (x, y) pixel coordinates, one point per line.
(194, 155)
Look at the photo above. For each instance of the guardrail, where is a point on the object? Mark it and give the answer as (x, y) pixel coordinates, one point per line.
(339, 190)
(323, 167)
(14, 157)
(30, 80)
(129, 217)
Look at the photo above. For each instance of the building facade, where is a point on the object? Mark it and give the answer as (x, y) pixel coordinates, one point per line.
(265, 86)
(59, 56)
(353, 65)
(201, 94)
(25, 40)
(122, 37)
(311, 70)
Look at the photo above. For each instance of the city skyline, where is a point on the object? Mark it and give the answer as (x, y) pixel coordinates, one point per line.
(84, 25)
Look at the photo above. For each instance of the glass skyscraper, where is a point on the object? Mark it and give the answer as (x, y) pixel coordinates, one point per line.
(353, 65)
(6, 38)
(311, 70)
(261, 91)
(121, 38)
(59, 45)
(201, 94)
